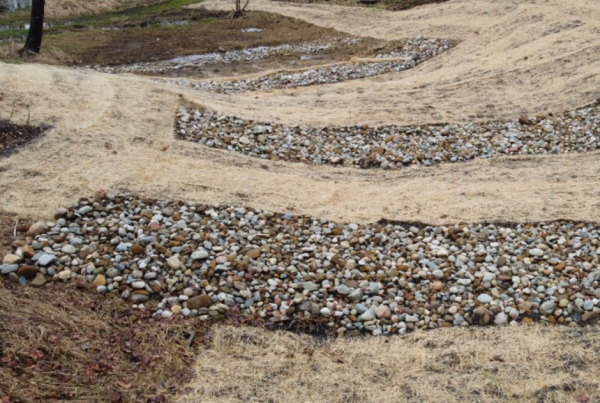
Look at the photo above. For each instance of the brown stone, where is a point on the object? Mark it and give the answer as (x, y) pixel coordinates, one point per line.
(590, 316)
(60, 213)
(501, 262)
(36, 229)
(99, 195)
(383, 312)
(201, 301)
(525, 121)
(155, 286)
(253, 254)
(99, 280)
(29, 272)
(377, 151)
(102, 262)
(481, 316)
(28, 251)
(137, 249)
(527, 321)
(160, 249)
(39, 280)
(351, 283)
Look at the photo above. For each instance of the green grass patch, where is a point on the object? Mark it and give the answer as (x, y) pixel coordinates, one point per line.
(21, 17)
(158, 8)
(18, 17)
(10, 61)
(13, 33)
(120, 16)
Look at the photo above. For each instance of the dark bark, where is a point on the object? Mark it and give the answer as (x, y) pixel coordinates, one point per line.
(239, 11)
(36, 28)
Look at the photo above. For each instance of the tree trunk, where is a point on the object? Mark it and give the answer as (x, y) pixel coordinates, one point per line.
(36, 28)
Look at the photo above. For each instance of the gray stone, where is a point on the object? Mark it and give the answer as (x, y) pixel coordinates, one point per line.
(84, 210)
(485, 298)
(536, 252)
(309, 286)
(548, 307)
(8, 268)
(355, 295)
(68, 249)
(343, 290)
(199, 254)
(372, 289)
(588, 305)
(139, 298)
(368, 315)
(46, 259)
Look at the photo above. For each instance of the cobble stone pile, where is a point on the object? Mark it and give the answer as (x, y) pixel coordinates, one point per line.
(392, 147)
(178, 258)
(229, 57)
(412, 53)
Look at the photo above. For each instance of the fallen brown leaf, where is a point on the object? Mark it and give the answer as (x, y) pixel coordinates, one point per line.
(124, 384)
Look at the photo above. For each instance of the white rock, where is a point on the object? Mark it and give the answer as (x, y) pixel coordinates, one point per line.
(173, 262)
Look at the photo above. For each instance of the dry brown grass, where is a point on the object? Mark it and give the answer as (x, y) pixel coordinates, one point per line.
(62, 9)
(136, 116)
(8, 224)
(10, 51)
(518, 364)
(67, 343)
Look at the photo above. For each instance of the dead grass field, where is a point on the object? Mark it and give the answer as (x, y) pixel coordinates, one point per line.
(116, 133)
(116, 128)
(518, 364)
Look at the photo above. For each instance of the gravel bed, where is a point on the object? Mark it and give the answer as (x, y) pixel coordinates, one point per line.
(177, 258)
(414, 52)
(229, 57)
(392, 147)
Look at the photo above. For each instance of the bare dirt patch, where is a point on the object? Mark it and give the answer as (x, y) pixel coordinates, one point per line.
(184, 32)
(13, 136)
(393, 5)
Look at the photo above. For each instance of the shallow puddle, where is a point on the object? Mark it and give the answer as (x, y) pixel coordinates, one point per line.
(145, 24)
(20, 27)
(246, 30)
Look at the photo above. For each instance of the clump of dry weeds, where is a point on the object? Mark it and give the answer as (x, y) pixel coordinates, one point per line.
(9, 51)
(66, 343)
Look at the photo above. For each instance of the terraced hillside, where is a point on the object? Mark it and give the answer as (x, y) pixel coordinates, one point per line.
(273, 200)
